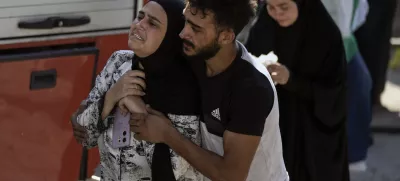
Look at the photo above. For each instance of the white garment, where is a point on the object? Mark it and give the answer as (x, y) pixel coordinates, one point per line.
(341, 12)
(360, 15)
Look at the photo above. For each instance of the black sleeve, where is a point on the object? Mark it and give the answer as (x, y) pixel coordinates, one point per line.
(249, 110)
(328, 91)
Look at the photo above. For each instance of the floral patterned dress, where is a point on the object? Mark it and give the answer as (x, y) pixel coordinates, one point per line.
(133, 162)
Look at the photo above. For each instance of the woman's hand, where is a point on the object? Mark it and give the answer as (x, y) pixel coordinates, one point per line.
(279, 73)
(132, 105)
(130, 84)
(79, 131)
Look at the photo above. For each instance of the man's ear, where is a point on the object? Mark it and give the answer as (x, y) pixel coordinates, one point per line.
(226, 36)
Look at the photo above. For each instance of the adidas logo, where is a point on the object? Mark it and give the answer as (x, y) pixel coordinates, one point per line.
(216, 114)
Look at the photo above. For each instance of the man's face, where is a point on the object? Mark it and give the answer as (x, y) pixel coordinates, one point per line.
(200, 37)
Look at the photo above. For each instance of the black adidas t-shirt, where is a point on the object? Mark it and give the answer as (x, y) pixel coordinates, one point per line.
(238, 100)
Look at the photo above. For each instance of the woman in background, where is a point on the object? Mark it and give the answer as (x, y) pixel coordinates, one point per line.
(311, 86)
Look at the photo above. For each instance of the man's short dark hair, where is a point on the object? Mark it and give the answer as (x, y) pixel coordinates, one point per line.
(233, 14)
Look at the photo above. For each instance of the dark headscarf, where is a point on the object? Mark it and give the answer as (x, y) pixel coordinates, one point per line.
(171, 85)
(313, 101)
(267, 35)
(168, 75)
(171, 47)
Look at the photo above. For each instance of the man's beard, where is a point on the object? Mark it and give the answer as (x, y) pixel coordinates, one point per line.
(204, 53)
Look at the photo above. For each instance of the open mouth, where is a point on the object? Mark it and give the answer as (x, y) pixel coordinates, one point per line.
(187, 44)
(186, 47)
(138, 37)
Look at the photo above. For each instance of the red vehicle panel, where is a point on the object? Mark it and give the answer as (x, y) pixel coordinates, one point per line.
(36, 138)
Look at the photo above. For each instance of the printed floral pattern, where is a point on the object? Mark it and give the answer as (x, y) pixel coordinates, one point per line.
(131, 163)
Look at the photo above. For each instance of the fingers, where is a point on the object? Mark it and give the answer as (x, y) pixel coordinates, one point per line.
(122, 108)
(80, 136)
(132, 86)
(276, 78)
(274, 67)
(73, 118)
(135, 73)
(137, 120)
(275, 71)
(138, 81)
(79, 133)
(137, 130)
(76, 125)
(133, 92)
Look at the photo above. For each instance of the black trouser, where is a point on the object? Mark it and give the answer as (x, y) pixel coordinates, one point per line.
(374, 43)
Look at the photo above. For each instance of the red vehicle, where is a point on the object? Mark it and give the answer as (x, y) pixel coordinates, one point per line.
(50, 53)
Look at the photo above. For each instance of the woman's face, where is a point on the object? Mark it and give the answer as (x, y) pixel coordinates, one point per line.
(148, 30)
(284, 12)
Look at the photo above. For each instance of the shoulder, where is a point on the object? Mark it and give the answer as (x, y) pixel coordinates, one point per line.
(250, 74)
(251, 83)
(121, 56)
(127, 54)
(252, 97)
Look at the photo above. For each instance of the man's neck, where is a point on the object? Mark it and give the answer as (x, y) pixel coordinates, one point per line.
(222, 60)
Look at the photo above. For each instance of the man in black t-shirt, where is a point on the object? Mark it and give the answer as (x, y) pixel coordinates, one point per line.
(240, 126)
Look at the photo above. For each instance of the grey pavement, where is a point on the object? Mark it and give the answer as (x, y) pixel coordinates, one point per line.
(390, 99)
(384, 156)
(383, 160)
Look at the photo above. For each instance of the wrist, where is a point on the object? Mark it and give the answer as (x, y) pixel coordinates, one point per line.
(108, 105)
(108, 99)
(170, 134)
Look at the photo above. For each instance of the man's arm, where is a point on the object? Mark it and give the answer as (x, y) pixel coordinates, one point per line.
(239, 150)
(248, 111)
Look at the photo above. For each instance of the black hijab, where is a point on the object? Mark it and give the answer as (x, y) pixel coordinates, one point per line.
(267, 35)
(168, 76)
(171, 85)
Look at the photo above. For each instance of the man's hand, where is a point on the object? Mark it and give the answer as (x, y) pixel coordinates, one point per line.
(78, 130)
(279, 73)
(152, 128)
